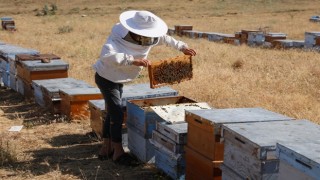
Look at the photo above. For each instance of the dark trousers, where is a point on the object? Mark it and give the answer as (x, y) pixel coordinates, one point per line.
(112, 94)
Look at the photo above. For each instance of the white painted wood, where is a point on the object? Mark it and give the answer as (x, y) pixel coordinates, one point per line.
(176, 132)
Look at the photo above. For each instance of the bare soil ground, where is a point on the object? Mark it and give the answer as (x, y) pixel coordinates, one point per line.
(49, 147)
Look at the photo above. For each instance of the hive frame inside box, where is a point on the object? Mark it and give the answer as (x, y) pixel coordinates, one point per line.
(252, 143)
(156, 65)
(299, 160)
(46, 91)
(74, 102)
(204, 127)
(142, 115)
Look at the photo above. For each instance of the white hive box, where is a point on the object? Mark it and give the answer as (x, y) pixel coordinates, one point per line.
(256, 38)
(8, 52)
(250, 148)
(299, 160)
(46, 91)
(310, 39)
(175, 132)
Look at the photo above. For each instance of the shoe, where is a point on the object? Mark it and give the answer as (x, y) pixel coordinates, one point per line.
(103, 157)
(126, 160)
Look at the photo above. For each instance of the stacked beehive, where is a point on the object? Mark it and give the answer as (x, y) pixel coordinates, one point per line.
(37, 67)
(142, 116)
(169, 141)
(8, 23)
(250, 148)
(312, 39)
(205, 147)
(8, 63)
(130, 92)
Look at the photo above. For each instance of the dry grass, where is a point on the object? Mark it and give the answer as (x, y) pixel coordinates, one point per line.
(225, 76)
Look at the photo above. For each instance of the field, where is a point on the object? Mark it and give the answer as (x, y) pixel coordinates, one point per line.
(225, 76)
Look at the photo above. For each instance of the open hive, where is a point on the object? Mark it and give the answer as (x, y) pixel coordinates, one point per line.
(170, 71)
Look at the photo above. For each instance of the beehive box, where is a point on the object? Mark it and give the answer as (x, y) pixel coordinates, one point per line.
(144, 114)
(200, 167)
(231, 40)
(13, 82)
(170, 71)
(250, 148)
(130, 92)
(269, 37)
(282, 44)
(204, 127)
(46, 91)
(8, 52)
(217, 37)
(37, 70)
(255, 38)
(74, 101)
(25, 88)
(310, 38)
(298, 43)
(140, 146)
(299, 160)
(175, 132)
(171, 164)
(180, 28)
(245, 35)
(167, 143)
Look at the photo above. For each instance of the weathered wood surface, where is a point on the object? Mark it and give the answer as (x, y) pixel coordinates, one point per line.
(204, 126)
(176, 132)
(167, 143)
(303, 158)
(250, 148)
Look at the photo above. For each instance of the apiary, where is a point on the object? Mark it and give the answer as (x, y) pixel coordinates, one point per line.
(250, 148)
(7, 23)
(37, 69)
(171, 164)
(299, 160)
(130, 92)
(231, 40)
(180, 28)
(193, 34)
(298, 43)
(269, 37)
(170, 71)
(204, 127)
(74, 101)
(145, 113)
(46, 91)
(200, 167)
(310, 38)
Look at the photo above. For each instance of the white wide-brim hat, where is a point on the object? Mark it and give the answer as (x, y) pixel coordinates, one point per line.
(143, 23)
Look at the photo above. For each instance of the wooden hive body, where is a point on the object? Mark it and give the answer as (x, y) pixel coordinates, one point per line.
(250, 148)
(204, 127)
(74, 101)
(299, 160)
(46, 91)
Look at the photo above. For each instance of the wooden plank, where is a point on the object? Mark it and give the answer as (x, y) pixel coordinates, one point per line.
(170, 71)
(229, 174)
(31, 57)
(288, 172)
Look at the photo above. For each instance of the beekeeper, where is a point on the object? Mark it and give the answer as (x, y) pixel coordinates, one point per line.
(122, 58)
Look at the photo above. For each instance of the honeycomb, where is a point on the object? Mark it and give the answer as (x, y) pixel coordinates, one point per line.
(170, 71)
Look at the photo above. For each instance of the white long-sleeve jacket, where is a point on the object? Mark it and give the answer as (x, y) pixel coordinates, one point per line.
(117, 55)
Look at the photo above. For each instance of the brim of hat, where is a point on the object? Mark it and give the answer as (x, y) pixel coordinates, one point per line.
(160, 29)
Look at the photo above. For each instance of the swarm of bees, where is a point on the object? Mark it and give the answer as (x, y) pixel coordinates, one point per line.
(170, 71)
